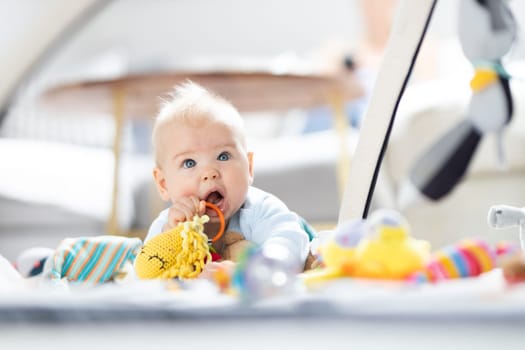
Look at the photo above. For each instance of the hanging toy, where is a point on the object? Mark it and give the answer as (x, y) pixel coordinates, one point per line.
(180, 252)
(487, 31)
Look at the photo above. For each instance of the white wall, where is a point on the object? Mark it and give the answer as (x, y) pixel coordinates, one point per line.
(171, 32)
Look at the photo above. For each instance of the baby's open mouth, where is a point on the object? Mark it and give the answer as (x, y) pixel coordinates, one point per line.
(214, 198)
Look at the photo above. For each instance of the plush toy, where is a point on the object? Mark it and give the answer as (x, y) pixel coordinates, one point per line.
(487, 31)
(391, 253)
(467, 258)
(379, 248)
(90, 260)
(31, 261)
(234, 245)
(338, 254)
(183, 251)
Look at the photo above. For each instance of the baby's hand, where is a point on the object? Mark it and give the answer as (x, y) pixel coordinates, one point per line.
(316, 264)
(217, 268)
(184, 209)
(219, 273)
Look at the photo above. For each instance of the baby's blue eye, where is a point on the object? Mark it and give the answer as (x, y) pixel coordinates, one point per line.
(189, 163)
(224, 156)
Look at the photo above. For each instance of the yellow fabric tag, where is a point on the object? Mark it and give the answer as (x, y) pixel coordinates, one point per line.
(483, 78)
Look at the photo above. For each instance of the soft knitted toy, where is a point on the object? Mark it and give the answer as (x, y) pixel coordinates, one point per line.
(181, 252)
(89, 260)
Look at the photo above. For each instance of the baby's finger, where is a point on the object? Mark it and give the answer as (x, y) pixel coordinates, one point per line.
(180, 212)
(196, 203)
(209, 270)
(202, 207)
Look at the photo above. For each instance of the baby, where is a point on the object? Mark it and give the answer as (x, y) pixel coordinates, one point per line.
(201, 156)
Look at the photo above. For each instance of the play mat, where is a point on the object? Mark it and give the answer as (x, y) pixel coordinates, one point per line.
(368, 268)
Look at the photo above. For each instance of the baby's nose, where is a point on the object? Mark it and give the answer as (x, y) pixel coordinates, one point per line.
(210, 174)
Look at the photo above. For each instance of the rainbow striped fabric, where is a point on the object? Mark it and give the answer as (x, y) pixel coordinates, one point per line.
(468, 258)
(91, 259)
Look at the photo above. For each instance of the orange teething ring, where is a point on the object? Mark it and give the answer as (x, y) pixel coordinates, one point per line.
(221, 219)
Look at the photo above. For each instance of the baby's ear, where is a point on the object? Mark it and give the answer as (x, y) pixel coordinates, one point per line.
(160, 182)
(250, 164)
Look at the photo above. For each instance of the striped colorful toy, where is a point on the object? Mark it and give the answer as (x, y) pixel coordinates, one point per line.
(468, 258)
(91, 259)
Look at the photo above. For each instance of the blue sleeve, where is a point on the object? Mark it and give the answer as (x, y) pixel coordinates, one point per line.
(271, 222)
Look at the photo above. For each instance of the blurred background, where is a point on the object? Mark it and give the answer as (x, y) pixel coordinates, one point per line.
(59, 152)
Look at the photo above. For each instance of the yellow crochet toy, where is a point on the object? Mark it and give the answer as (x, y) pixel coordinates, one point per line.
(181, 252)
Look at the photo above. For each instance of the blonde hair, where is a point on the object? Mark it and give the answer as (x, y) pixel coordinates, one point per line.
(191, 104)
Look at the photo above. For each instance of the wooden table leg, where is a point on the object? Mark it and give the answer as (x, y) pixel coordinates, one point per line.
(112, 226)
(341, 128)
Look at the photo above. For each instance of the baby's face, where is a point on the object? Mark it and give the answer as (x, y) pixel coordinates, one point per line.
(208, 161)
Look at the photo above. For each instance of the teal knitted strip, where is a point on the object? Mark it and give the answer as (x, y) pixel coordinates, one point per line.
(82, 258)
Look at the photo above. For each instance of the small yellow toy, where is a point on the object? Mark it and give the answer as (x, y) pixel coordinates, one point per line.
(380, 248)
(179, 253)
(392, 254)
(338, 254)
